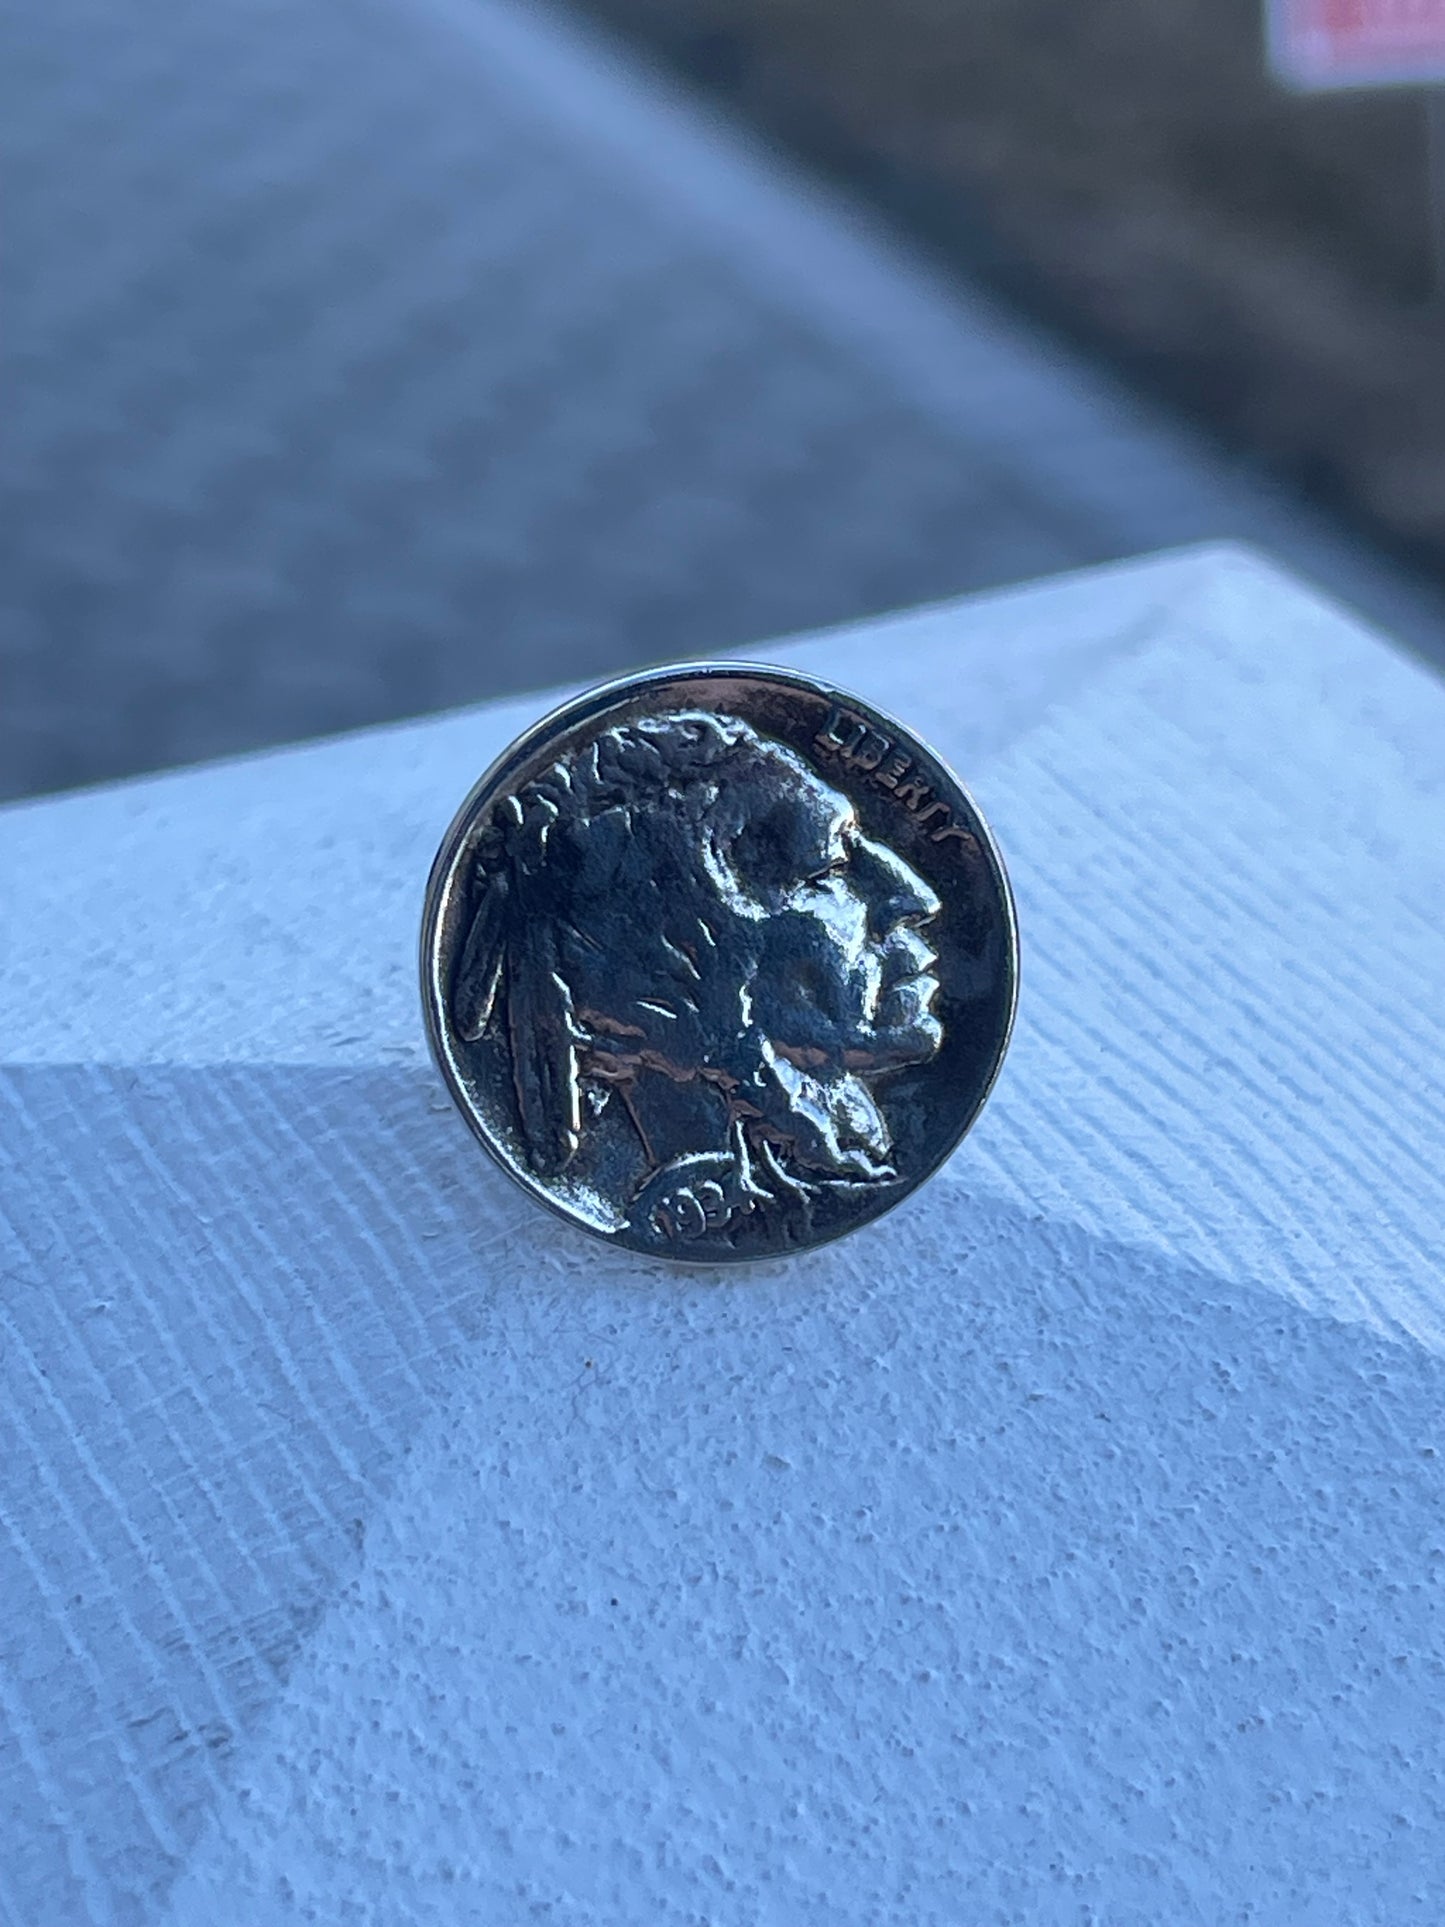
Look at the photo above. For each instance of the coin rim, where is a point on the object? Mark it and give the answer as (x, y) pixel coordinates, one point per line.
(594, 701)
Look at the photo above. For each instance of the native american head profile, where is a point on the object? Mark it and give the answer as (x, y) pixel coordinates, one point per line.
(699, 966)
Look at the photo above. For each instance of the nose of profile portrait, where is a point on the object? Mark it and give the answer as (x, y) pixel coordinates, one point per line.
(895, 892)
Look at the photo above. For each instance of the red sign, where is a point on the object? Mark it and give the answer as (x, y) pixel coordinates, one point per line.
(1357, 43)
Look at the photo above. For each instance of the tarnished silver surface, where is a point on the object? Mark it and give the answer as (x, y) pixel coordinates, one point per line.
(718, 961)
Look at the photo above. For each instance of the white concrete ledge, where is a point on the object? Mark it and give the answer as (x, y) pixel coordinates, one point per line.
(1068, 1547)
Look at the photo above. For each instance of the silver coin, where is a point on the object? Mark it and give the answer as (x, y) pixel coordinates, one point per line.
(719, 962)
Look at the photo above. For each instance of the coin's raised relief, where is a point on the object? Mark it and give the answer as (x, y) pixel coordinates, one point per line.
(718, 961)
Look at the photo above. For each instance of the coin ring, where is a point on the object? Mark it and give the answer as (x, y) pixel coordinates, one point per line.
(719, 961)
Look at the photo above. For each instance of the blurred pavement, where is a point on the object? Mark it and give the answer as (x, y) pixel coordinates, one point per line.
(373, 356)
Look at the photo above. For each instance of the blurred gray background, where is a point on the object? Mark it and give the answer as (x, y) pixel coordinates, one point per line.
(370, 356)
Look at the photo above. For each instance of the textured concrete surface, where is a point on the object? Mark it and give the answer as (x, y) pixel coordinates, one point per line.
(1067, 1548)
(370, 356)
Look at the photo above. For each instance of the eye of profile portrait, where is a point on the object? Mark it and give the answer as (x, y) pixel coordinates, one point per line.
(700, 971)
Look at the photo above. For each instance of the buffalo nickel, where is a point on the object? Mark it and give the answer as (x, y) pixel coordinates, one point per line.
(719, 962)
